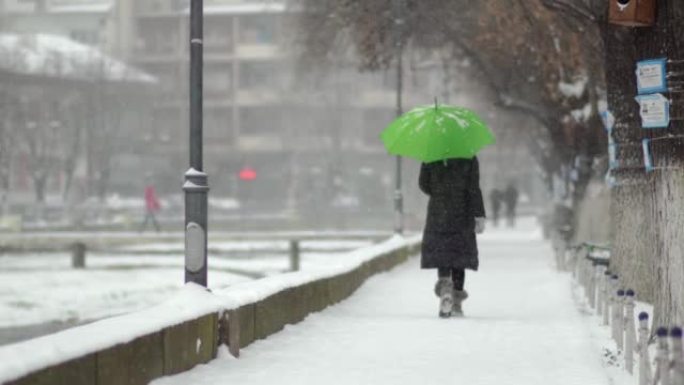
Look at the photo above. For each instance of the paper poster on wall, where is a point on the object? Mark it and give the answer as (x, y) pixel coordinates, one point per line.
(654, 110)
(612, 155)
(648, 158)
(608, 120)
(652, 76)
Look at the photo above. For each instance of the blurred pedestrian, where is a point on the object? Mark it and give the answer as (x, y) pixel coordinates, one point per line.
(510, 196)
(495, 197)
(152, 206)
(455, 213)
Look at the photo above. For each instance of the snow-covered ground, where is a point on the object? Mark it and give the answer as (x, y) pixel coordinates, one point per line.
(522, 326)
(255, 245)
(30, 296)
(43, 288)
(187, 304)
(612, 357)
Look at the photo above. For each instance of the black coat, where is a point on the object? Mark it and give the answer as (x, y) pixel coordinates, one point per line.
(455, 201)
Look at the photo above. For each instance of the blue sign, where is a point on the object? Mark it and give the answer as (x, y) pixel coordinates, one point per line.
(648, 158)
(654, 110)
(652, 76)
(608, 120)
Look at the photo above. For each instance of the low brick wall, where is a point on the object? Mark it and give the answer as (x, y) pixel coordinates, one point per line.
(172, 350)
(255, 321)
(181, 347)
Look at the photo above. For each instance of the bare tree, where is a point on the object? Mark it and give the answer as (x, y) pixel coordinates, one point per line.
(46, 129)
(532, 59)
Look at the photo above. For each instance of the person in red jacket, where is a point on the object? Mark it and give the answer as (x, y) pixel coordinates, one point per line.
(152, 205)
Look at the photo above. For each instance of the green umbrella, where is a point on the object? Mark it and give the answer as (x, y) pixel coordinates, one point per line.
(437, 132)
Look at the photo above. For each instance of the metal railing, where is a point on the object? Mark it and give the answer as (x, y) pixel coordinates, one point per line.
(615, 306)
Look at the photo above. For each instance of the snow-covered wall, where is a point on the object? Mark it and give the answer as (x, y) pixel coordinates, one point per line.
(184, 331)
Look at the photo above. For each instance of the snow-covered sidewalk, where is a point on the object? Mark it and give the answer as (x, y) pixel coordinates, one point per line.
(522, 327)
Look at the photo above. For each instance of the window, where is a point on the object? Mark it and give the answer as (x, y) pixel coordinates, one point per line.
(218, 80)
(159, 37)
(85, 37)
(218, 125)
(260, 29)
(218, 35)
(261, 121)
(258, 75)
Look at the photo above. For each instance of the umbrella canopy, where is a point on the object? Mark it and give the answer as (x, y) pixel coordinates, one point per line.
(438, 132)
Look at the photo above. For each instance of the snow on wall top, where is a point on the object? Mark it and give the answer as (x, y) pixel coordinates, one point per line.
(252, 291)
(81, 8)
(26, 357)
(58, 56)
(192, 302)
(243, 8)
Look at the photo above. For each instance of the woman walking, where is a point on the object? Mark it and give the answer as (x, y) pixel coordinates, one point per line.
(455, 213)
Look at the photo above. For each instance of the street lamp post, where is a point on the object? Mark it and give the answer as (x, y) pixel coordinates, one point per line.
(196, 187)
(399, 46)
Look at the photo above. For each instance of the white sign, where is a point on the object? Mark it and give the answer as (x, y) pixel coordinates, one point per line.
(608, 120)
(654, 110)
(612, 155)
(652, 76)
(195, 243)
(648, 159)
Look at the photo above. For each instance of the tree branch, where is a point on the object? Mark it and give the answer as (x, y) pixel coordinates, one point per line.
(573, 9)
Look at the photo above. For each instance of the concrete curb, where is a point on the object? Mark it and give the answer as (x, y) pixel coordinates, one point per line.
(181, 347)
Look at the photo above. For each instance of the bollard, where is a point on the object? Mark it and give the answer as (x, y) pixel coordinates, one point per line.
(294, 255)
(586, 268)
(607, 282)
(618, 320)
(593, 280)
(560, 254)
(577, 266)
(662, 375)
(583, 272)
(581, 275)
(591, 292)
(78, 255)
(630, 333)
(600, 274)
(644, 358)
(677, 356)
(611, 292)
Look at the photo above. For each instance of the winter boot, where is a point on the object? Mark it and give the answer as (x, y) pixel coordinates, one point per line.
(445, 291)
(458, 297)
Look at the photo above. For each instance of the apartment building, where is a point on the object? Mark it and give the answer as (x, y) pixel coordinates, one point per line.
(309, 136)
(84, 21)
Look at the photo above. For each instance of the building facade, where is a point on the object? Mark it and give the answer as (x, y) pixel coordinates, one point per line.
(84, 21)
(312, 136)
